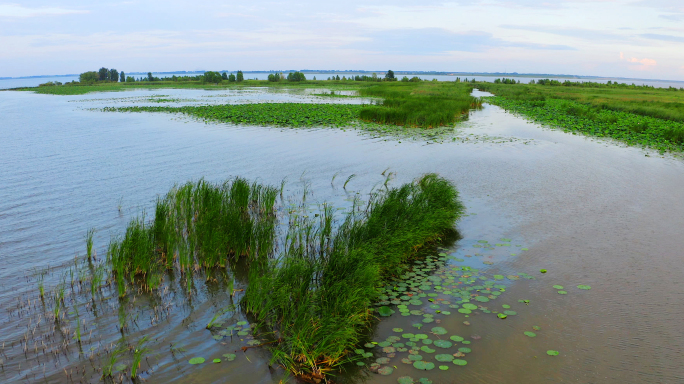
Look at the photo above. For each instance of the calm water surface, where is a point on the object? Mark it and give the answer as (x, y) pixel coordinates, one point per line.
(590, 212)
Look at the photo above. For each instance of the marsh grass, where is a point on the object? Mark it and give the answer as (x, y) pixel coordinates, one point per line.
(426, 105)
(89, 243)
(316, 296)
(197, 225)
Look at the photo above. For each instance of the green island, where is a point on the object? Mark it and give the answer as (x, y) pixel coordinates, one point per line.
(635, 115)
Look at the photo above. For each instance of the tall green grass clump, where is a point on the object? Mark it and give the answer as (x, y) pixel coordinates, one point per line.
(425, 105)
(198, 224)
(316, 296)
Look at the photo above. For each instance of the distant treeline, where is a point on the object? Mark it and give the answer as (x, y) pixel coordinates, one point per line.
(586, 84)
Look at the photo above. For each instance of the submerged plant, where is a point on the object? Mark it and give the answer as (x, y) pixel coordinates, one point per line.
(138, 353)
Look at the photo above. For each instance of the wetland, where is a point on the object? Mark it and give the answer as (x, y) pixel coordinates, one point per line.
(86, 185)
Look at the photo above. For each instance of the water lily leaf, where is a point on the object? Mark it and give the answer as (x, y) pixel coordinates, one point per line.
(421, 336)
(386, 370)
(551, 352)
(368, 345)
(542, 270)
(465, 350)
(456, 338)
(360, 363)
(444, 357)
(562, 293)
(586, 287)
(442, 344)
(443, 367)
(536, 328)
(405, 380)
(464, 311)
(460, 362)
(397, 330)
(439, 331)
(506, 306)
(385, 311)
(424, 365)
(501, 316)
(215, 361)
(427, 349)
(384, 344)
(230, 356)
(424, 380)
(469, 306)
(426, 341)
(558, 287)
(367, 355)
(196, 360)
(530, 334)
(415, 357)
(510, 313)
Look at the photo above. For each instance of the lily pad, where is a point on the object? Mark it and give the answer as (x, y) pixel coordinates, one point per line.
(510, 313)
(465, 350)
(385, 311)
(415, 357)
(501, 316)
(469, 306)
(530, 334)
(442, 344)
(460, 362)
(536, 328)
(215, 361)
(397, 330)
(386, 370)
(551, 352)
(424, 365)
(586, 287)
(427, 349)
(443, 367)
(405, 380)
(542, 270)
(196, 360)
(562, 293)
(456, 338)
(439, 331)
(229, 356)
(558, 287)
(444, 357)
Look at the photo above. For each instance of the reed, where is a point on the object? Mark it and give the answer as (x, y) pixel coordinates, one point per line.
(316, 296)
(89, 243)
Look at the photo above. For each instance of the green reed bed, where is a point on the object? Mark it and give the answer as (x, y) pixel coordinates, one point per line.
(197, 224)
(272, 114)
(573, 116)
(425, 105)
(316, 296)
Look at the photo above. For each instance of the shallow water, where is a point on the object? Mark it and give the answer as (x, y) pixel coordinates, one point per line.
(590, 212)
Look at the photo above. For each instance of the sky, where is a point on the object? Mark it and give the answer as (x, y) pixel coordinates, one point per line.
(616, 38)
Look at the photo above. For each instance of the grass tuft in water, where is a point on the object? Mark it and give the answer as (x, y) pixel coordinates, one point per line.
(316, 296)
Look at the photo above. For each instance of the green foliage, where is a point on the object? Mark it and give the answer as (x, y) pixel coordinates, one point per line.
(389, 76)
(88, 77)
(274, 77)
(212, 77)
(426, 106)
(240, 77)
(317, 294)
(296, 76)
(122, 77)
(224, 76)
(198, 223)
(276, 114)
(103, 74)
(231, 78)
(573, 116)
(113, 75)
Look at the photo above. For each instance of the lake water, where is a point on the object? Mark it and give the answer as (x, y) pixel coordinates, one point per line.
(590, 212)
(35, 81)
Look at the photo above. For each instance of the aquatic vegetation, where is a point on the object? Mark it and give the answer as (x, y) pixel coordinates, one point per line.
(269, 114)
(138, 353)
(198, 224)
(197, 360)
(419, 105)
(576, 117)
(316, 296)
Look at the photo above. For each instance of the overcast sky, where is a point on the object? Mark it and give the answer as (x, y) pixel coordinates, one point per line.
(626, 38)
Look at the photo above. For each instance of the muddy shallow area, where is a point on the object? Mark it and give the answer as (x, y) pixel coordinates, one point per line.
(590, 212)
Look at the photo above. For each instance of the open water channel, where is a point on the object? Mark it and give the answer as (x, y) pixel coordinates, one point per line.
(590, 212)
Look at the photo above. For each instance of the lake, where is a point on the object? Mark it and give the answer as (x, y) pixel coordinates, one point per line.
(589, 211)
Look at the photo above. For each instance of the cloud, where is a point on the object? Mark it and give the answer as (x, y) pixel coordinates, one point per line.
(655, 36)
(579, 33)
(672, 17)
(644, 64)
(17, 10)
(438, 41)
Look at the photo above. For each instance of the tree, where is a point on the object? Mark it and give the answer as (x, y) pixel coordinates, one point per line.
(103, 73)
(296, 76)
(240, 76)
(149, 76)
(389, 76)
(224, 76)
(337, 77)
(113, 75)
(212, 77)
(130, 79)
(89, 77)
(231, 78)
(123, 77)
(404, 79)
